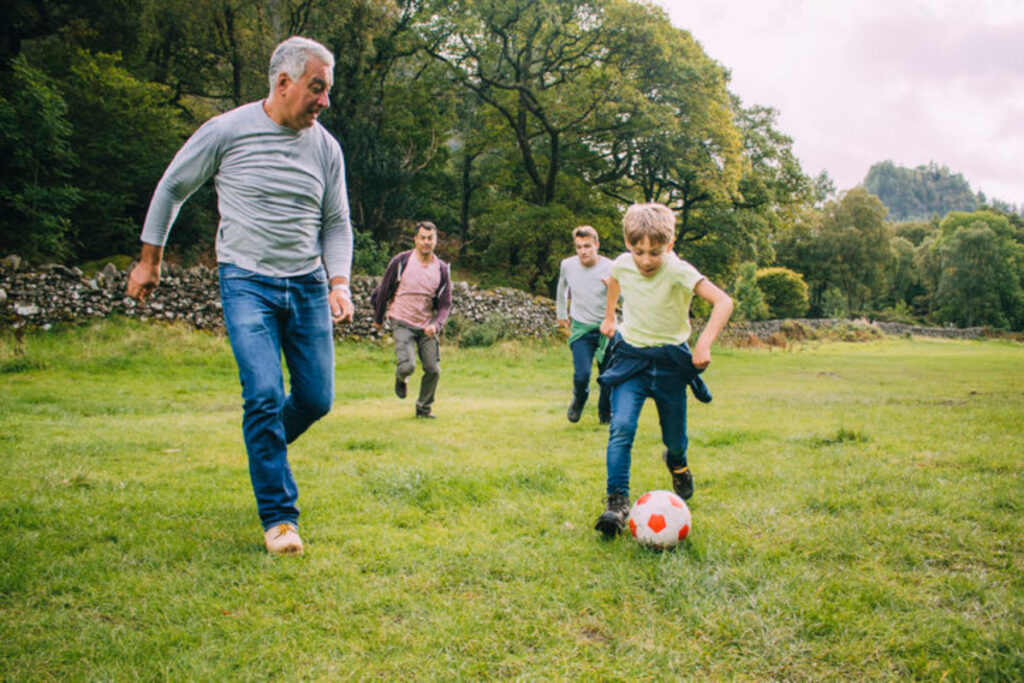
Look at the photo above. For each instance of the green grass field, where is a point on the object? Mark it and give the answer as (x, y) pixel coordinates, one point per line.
(858, 515)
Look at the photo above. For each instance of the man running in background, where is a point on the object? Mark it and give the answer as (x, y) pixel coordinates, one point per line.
(580, 304)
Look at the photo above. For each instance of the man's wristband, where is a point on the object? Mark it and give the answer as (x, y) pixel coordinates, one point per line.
(342, 287)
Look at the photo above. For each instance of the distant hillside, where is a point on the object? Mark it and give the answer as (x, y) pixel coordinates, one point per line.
(919, 193)
(926, 191)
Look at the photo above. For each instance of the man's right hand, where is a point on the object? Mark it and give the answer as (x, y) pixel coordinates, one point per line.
(145, 276)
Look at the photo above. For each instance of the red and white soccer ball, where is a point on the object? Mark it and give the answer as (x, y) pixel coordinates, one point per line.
(659, 519)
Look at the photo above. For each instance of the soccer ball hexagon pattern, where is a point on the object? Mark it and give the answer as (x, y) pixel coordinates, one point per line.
(659, 519)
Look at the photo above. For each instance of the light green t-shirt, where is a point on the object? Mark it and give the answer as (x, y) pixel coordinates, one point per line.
(656, 309)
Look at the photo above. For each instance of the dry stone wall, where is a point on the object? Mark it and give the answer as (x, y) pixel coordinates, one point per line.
(44, 296)
(766, 329)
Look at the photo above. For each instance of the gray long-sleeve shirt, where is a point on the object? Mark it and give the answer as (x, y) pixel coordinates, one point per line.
(281, 194)
(585, 287)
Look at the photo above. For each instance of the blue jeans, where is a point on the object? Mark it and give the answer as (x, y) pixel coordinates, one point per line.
(265, 316)
(583, 351)
(668, 389)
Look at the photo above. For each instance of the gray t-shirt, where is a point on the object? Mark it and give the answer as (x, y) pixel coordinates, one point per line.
(281, 194)
(586, 289)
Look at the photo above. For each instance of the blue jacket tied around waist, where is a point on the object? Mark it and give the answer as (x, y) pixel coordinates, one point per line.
(627, 360)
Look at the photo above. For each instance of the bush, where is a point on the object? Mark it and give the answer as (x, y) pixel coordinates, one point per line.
(900, 313)
(784, 291)
(833, 304)
(495, 328)
(853, 332)
(797, 331)
(370, 258)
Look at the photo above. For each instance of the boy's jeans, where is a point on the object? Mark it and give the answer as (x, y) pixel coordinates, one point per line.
(668, 389)
(265, 316)
(583, 350)
(410, 342)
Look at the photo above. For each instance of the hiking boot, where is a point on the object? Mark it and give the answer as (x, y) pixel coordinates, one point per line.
(613, 520)
(575, 410)
(283, 539)
(400, 388)
(682, 479)
(425, 414)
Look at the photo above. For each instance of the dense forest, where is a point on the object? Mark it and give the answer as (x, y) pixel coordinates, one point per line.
(506, 122)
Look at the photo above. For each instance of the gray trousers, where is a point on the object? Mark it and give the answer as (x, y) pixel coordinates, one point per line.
(410, 342)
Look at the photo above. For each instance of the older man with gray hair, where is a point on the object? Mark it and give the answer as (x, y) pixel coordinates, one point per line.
(284, 250)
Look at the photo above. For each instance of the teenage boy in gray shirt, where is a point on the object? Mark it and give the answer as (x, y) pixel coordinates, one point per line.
(284, 249)
(580, 304)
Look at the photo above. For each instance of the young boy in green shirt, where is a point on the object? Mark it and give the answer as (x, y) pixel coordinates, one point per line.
(649, 353)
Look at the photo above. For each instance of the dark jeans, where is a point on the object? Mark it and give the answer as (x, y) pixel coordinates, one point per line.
(265, 316)
(583, 351)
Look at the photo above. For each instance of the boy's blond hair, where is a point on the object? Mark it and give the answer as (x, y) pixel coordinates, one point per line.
(585, 231)
(654, 221)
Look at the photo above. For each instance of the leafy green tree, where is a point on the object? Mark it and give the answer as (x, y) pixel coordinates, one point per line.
(902, 274)
(770, 197)
(750, 301)
(785, 292)
(212, 55)
(537, 63)
(670, 135)
(36, 192)
(846, 245)
(915, 231)
(124, 133)
(977, 285)
(973, 270)
(394, 111)
(833, 304)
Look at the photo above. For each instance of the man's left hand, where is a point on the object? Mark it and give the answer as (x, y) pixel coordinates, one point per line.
(430, 330)
(341, 306)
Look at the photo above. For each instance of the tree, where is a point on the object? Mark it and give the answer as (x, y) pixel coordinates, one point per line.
(785, 292)
(124, 133)
(393, 109)
(846, 245)
(35, 179)
(915, 231)
(770, 196)
(902, 275)
(977, 285)
(973, 270)
(671, 136)
(538, 63)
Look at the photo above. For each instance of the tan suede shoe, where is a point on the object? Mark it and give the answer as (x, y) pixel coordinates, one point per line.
(283, 539)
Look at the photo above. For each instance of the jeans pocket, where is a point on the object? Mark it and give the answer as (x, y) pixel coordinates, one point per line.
(316, 277)
(228, 271)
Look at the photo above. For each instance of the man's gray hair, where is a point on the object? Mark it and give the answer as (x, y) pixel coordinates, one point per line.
(291, 56)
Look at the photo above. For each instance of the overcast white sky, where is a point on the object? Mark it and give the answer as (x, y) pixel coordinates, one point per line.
(861, 81)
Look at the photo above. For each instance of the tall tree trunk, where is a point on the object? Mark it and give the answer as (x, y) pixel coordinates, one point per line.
(467, 192)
